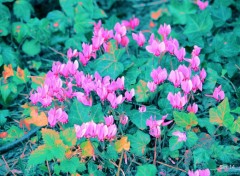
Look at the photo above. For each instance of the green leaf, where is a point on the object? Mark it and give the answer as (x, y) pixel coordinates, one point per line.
(174, 144)
(69, 165)
(3, 115)
(19, 31)
(138, 142)
(58, 19)
(201, 155)
(31, 47)
(14, 133)
(68, 137)
(139, 119)
(192, 139)
(150, 169)
(181, 11)
(82, 23)
(237, 110)
(108, 64)
(236, 126)
(141, 90)
(9, 56)
(204, 122)
(198, 24)
(220, 14)
(211, 79)
(221, 115)
(68, 7)
(185, 120)
(22, 9)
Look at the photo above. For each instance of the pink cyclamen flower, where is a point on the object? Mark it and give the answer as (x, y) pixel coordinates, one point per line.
(181, 136)
(186, 86)
(171, 45)
(194, 63)
(55, 115)
(205, 172)
(175, 77)
(176, 100)
(218, 93)
(164, 30)
(120, 29)
(203, 75)
(129, 95)
(71, 53)
(192, 108)
(197, 84)
(186, 72)
(156, 48)
(123, 119)
(115, 101)
(151, 39)
(202, 5)
(159, 75)
(180, 54)
(139, 38)
(196, 51)
(80, 130)
(132, 23)
(109, 120)
(142, 108)
(151, 86)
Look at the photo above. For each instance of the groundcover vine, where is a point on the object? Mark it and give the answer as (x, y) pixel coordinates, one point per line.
(129, 101)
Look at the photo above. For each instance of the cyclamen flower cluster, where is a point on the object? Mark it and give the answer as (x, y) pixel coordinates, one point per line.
(205, 172)
(155, 125)
(101, 131)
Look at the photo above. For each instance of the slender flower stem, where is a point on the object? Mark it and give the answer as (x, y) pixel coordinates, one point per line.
(155, 152)
(119, 165)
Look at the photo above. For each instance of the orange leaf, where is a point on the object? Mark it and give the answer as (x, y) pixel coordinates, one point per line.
(152, 24)
(157, 14)
(36, 119)
(20, 73)
(38, 79)
(8, 71)
(87, 149)
(122, 144)
(3, 134)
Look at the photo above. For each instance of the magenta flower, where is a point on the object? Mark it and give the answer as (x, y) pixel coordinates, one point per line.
(194, 63)
(176, 100)
(129, 95)
(196, 51)
(132, 23)
(171, 45)
(180, 54)
(203, 75)
(151, 39)
(156, 48)
(123, 119)
(186, 86)
(71, 53)
(55, 115)
(192, 108)
(181, 136)
(202, 5)
(175, 77)
(142, 109)
(164, 30)
(120, 29)
(199, 172)
(197, 84)
(218, 93)
(151, 86)
(139, 38)
(115, 101)
(109, 120)
(159, 75)
(186, 72)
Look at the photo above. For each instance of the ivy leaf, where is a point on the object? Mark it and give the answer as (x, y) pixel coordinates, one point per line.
(19, 31)
(201, 155)
(192, 139)
(139, 119)
(174, 144)
(122, 144)
(87, 149)
(69, 165)
(236, 126)
(14, 133)
(211, 79)
(36, 119)
(108, 64)
(22, 9)
(150, 169)
(139, 142)
(141, 90)
(3, 115)
(82, 23)
(68, 137)
(221, 115)
(31, 47)
(185, 120)
(198, 24)
(220, 14)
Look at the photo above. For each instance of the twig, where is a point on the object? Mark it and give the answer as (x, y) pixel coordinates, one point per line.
(237, 66)
(7, 165)
(149, 4)
(155, 152)
(63, 55)
(49, 171)
(159, 162)
(119, 165)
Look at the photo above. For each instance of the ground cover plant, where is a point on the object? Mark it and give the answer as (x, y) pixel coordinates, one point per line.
(138, 88)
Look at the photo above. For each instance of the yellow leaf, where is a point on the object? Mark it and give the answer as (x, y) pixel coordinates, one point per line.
(122, 144)
(20, 73)
(38, 79)
(87, 149)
